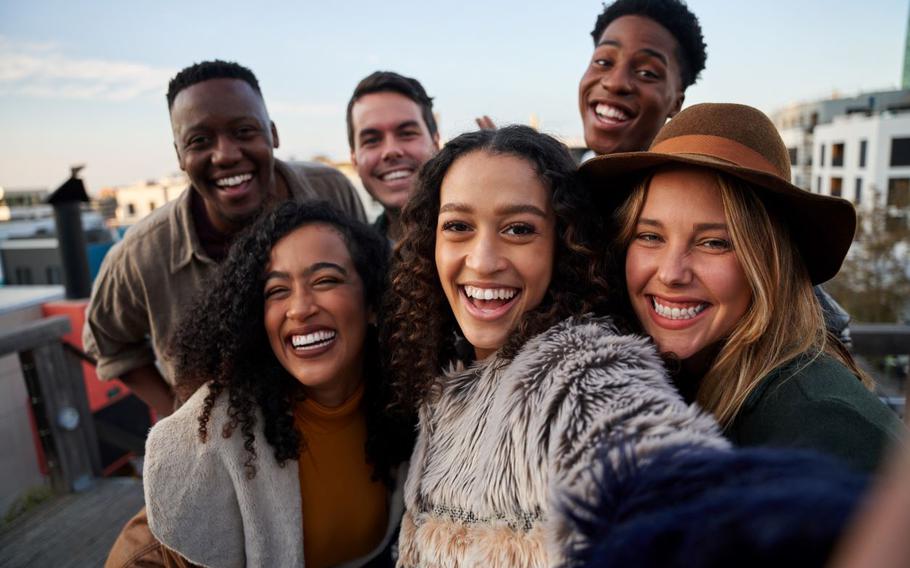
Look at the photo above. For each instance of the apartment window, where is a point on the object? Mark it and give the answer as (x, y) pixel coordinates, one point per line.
(792, 152)
(837, 185)
(837, 155)
(858, 191)
(821, 158)
(130, 209)
(151, 205)
(900, 151)
(899, 192)
(53, 275)
(818, 184)
(862, 153)
(23, 275)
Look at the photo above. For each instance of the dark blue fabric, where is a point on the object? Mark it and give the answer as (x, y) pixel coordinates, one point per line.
(706, 508)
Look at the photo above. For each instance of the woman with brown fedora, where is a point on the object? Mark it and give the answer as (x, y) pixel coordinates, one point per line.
(720, 253)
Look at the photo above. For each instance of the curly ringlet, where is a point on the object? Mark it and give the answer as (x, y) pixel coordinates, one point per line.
(222, 340)
(420, 333)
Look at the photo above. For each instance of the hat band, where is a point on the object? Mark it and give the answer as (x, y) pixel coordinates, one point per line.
(717, 147)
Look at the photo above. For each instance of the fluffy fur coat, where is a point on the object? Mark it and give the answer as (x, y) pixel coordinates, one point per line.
(504, 445)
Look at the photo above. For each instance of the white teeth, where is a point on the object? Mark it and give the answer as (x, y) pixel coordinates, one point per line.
(233, 180)
(677, 313)
(490, 293)
(606, 111)
(314, 339)
(397, 174)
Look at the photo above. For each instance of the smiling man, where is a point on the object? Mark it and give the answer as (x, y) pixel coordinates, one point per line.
(646, 54)
(392, 133)
(225, 143)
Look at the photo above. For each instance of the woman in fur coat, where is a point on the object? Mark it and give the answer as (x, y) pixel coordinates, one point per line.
(516, 389)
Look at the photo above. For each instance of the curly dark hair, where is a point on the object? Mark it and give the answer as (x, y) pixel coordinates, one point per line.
(675, 16)
(206, 70)
(389, 81)
(420, 332)
(222, 341)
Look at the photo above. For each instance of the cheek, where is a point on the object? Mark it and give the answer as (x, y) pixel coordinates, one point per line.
(272, 319)
(635, 270)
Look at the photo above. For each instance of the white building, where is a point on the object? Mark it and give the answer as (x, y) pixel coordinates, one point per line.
(138, 200)
(865, 157)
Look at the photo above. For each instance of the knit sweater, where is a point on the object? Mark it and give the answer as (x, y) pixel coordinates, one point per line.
(505, 445)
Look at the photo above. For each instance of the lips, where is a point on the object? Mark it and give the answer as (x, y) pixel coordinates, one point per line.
(676, 313)
(234, 185)
(609, 114)
(488, 303)
(396, 174)
(311, 341)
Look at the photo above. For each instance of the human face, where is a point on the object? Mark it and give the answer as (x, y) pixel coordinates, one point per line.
(685, 282)
(495, 240)
(391, 143)
(315, 312)
(224, 141)
(631, 86)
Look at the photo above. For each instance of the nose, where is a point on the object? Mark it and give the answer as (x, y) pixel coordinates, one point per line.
(484, 256)
(675, 267)
(391, 150)
(302, 305)
(226, 152)
(618, 79)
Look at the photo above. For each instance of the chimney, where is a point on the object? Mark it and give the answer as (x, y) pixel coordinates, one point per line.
(67, 200)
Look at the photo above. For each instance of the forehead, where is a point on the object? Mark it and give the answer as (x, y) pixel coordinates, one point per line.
(217, 99)
(486, 182)
(385, 110)
(636, 33)
(689, 194)
(308, 245)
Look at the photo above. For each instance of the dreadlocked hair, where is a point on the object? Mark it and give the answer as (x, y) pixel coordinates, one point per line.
(222, 341)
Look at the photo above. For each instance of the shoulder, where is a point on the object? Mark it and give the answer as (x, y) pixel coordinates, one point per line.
(134, 247)
(586, 344)
(176, 438)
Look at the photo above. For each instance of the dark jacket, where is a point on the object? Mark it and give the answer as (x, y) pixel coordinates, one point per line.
(818, 404)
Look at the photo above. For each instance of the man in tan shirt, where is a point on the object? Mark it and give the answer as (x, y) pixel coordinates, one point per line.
(224, 141)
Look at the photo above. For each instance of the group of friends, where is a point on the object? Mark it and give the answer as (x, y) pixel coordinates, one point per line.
(522, 362)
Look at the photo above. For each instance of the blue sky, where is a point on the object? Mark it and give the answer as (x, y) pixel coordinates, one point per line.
(84, 82)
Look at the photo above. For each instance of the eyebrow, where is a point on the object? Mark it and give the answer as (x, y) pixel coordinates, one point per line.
(503, 210)
(697, 226)
(646, 50)
(313, 268)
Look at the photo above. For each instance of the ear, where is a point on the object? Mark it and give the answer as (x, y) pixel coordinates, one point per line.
(274, 134)
(436, 140)
(677, 106)
(353, 158)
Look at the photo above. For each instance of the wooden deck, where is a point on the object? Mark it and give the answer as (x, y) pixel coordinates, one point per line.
(74, 530)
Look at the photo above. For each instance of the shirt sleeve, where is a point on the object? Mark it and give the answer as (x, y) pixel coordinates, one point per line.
(116, 321)
(333, 186)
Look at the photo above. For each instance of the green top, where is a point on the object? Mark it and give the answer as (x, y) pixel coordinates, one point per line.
(822, 406)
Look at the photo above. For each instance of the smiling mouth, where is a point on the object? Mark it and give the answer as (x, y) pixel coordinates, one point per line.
(677, 310)
(610, 114)
(396, 175)
(489, 303)
(312, 341)
(233, 182)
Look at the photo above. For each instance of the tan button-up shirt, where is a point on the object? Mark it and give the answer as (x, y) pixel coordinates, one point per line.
(150, 278)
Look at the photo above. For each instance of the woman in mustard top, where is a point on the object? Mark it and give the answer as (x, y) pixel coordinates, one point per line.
(282, 456)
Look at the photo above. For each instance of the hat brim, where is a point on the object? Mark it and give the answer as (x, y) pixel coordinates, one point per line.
(822, 227)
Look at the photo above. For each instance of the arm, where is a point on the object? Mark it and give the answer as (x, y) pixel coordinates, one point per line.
(148, 384)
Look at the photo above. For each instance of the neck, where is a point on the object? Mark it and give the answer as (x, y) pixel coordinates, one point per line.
(394, 217)
(333, 396)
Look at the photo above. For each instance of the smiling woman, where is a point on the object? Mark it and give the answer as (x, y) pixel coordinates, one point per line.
(721, 252)
(492, 338)
(282, 355)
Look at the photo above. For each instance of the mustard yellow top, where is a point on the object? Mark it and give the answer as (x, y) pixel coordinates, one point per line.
(345, 513)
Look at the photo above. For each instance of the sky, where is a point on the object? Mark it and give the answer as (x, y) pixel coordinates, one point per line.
(84, 82)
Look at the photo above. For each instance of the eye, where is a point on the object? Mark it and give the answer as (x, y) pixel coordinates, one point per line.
(520, 230)
(327, 281)
(246, 131)
(716, 244)
(275, 292)
(648, 239)
(647, 74)
(603, 62)
(456, 226)
(197, 141)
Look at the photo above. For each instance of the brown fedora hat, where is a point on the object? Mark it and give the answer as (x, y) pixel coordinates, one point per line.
(740, 141)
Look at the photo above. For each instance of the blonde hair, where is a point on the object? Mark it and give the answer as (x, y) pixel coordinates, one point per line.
(784, 319)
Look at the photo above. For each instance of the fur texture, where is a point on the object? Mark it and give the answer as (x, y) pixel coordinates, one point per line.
(704, 509)
(501, 441)
(201, 504)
